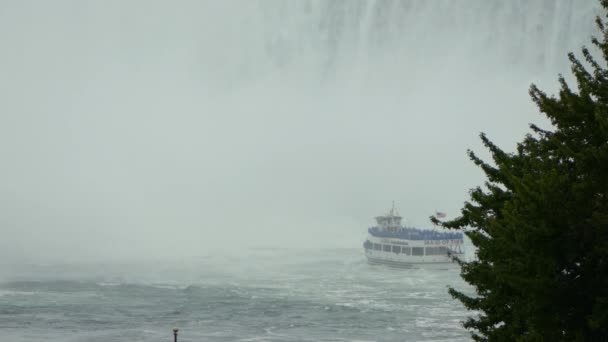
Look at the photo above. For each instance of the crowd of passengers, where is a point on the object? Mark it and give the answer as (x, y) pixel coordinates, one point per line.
(414, 234)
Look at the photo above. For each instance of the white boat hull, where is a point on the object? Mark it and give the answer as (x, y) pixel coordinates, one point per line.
(393, 264)
(408, 253)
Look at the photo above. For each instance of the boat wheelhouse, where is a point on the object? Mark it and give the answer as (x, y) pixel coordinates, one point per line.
(392, 244)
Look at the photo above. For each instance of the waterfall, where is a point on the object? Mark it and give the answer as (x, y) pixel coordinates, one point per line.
(304, 115)
(377, 39)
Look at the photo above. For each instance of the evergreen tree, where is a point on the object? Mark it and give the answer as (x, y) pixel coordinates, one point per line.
(540, 224)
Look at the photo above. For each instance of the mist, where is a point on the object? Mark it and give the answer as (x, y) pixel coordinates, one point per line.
(154, 129)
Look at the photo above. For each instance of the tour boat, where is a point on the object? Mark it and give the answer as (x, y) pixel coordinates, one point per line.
(390, 243)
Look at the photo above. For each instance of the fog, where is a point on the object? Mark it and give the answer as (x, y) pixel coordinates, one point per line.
(154, 129)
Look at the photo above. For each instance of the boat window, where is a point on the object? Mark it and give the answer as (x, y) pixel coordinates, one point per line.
(406, 250)
(436, 250)
(397, 249)
(418, 251)
(377, 247)
(386, 248)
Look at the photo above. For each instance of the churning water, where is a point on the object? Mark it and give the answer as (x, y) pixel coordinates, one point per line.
(262, 295)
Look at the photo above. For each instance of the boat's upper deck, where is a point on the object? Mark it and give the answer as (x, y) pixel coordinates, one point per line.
(413, 234)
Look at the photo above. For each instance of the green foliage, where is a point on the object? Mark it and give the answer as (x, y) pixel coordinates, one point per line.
(540, 224)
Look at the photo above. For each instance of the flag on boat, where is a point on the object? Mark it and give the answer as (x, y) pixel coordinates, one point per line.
(439, 214)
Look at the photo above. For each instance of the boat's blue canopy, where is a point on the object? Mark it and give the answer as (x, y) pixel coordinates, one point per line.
(415, 234)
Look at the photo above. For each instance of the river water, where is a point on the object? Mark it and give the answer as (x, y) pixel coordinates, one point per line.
(260, 295)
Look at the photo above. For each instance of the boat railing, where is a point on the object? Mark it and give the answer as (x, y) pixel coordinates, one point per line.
(414, 234)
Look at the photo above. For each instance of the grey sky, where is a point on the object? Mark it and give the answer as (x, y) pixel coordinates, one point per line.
(146, 128)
